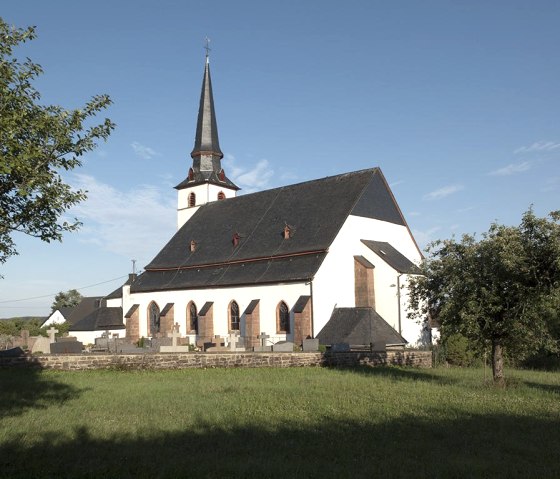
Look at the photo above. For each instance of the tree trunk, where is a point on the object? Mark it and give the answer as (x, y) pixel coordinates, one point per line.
(498, 364)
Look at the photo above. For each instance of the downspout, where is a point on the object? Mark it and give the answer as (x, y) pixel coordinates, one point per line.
(312, 309)
(399, 300)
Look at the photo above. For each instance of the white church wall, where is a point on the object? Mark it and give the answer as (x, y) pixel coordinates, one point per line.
(269, 296)
(333, 285)
(204, 193)
(88, 337)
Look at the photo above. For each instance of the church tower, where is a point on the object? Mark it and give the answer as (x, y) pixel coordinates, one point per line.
(206, 180)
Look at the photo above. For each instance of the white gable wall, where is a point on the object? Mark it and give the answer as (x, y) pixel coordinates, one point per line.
(56, 317)
(333, 285)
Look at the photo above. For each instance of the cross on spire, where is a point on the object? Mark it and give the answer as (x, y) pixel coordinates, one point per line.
(207, 48)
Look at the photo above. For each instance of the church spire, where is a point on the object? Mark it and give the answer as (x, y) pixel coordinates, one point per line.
(206, 154)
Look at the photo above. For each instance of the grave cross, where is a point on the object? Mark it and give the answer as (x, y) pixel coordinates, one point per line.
(52, 331)
(219, 341)
(263, 337)
(233, 340)
(174, 334)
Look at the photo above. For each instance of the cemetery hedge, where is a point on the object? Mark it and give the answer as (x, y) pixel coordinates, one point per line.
(303, 422)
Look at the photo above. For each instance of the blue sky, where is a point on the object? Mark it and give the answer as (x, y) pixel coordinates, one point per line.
(458, 102)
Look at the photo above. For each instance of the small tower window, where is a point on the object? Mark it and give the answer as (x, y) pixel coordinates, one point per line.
(192, 199)
(288, 232)
(191, 174)
(193, 245)
(221, 195)
(235, 239)
(222, 175)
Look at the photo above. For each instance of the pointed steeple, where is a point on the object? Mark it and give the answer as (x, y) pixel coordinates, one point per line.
(206, 154)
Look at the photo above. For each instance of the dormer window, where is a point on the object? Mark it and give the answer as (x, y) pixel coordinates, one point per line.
(221, 195)
(235, 239)
(191, 174)
(193, 246)
(222, 175)
(192, 200)
(288, 232)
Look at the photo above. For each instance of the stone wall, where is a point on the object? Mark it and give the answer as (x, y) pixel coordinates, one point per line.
(422, 359)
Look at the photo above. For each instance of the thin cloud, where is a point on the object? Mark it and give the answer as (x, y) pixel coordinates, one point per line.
(443, 192)
(538, 146)
(511, 169)
(144, 152)
(425, 237)
(249, 180)
(134, 223)
(396, 183)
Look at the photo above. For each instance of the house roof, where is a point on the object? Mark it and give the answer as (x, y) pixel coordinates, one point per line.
(101, 318)
(82, 309)
(315, 211)
(358, 326)
(392, 257)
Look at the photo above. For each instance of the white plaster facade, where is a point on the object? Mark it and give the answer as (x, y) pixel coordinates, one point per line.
(204, 193)
(333, 286)
(56, 317)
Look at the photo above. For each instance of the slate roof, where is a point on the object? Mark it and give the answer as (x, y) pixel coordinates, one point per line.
(316, 210)
(392, 257)
(117, 293)
(82, 309)
(251, 307)
(101, 319)
(359, 326)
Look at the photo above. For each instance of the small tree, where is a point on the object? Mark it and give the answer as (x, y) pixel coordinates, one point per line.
(66, 299)
(498, 291)
(37, 143)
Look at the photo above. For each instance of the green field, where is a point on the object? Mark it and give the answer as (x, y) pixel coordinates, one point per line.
(382, 422)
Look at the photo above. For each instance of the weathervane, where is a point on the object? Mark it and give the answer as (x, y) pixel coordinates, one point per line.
(207, 47)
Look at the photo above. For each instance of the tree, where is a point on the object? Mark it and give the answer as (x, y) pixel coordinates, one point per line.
(37, 143)
(502, 291)
(66, 299)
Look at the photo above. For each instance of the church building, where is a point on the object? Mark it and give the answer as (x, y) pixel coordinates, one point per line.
(328, 258)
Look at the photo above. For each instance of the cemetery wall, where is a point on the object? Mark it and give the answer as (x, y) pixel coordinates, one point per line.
(421, 359)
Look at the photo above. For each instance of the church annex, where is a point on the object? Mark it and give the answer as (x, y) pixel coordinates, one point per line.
(288, 262)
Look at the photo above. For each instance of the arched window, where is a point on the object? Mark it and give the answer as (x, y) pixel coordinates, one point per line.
(221, 195)
(192, 200)
(192, 318)
(153, 318)
(233, 316)
(282, 318)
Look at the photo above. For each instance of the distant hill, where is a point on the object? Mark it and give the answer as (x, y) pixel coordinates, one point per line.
(24, 318)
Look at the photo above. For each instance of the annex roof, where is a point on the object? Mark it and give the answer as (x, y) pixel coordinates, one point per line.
(358, 326)
(392, 256)
(101, 318)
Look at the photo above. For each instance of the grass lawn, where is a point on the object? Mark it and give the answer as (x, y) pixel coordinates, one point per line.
(382, 422)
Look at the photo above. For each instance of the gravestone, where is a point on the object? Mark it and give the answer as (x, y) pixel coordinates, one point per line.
(25, 337)
(52, 334)
(12, 353)
(41, 345)
(340, 348)
(174, 348)
(263, 348)
(283, 347)
(234, 344)
(67, 347)
(310, 345)
(217, 345)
